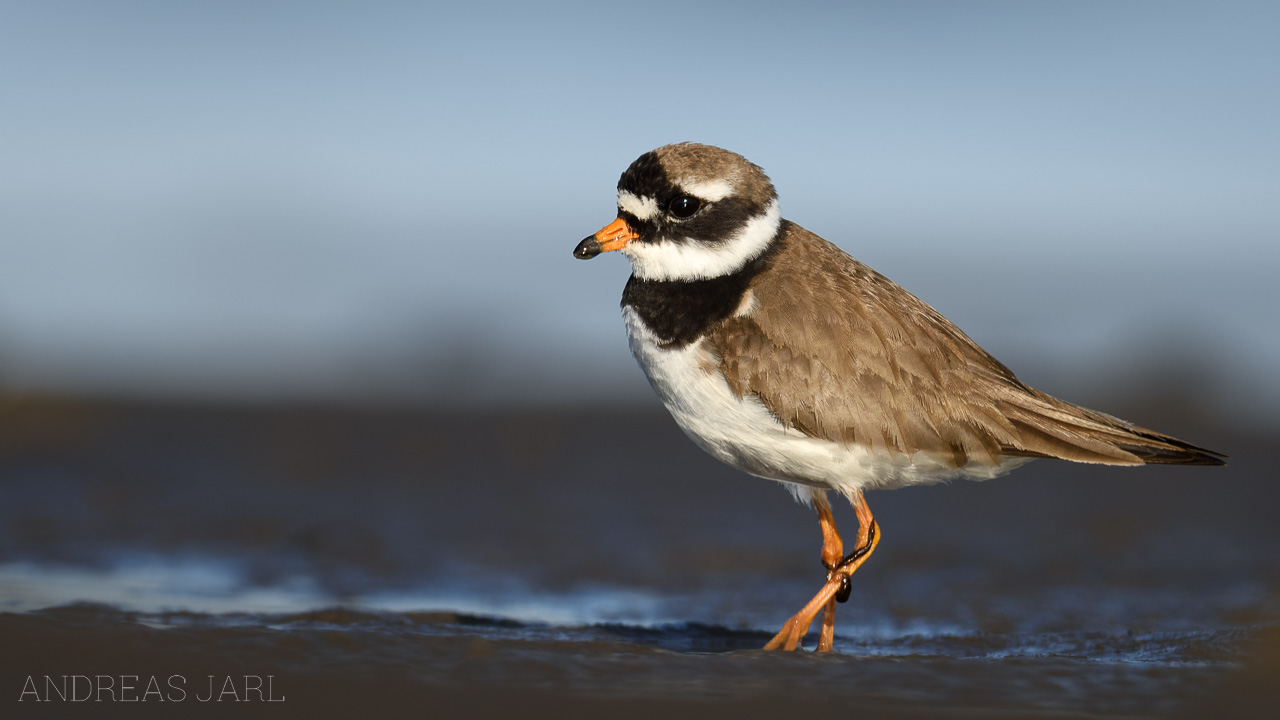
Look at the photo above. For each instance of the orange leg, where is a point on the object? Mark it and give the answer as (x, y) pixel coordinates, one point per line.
(838, 571)
(832, 552)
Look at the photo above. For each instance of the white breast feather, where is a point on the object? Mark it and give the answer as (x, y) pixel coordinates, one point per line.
(743, 433)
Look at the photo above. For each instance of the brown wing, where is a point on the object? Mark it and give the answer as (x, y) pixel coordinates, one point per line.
(838, 351)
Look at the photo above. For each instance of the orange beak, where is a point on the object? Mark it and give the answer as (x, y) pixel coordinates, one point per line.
(613, 236)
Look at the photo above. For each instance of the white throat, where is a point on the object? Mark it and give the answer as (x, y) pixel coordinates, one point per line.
(692, 260)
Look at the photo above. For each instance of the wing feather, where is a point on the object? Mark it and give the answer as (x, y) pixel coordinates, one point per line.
(838, 351)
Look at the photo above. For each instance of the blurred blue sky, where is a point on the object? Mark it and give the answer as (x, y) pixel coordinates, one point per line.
(380, 199)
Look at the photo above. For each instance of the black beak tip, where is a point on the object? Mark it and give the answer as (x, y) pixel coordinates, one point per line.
(587, 249)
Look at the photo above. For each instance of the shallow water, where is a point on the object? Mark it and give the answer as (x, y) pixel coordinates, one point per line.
(594, 561)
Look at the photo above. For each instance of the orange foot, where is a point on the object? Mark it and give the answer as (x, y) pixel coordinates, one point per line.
(836, 588)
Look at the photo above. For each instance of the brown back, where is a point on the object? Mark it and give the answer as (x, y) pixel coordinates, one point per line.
(840, 352)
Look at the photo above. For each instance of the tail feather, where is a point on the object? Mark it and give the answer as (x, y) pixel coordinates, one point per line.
(1051, 428)
(1179, 454)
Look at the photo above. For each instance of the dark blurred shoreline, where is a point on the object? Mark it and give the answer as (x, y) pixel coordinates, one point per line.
(1059, 591)
(337, 663)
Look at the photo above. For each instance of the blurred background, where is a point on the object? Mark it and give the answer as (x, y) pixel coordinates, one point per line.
(288, 315)
(377, 202)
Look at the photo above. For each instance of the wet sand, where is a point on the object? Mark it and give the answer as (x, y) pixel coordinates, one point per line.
(574, 562)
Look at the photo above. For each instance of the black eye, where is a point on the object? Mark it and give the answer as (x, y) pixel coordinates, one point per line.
(684, 206)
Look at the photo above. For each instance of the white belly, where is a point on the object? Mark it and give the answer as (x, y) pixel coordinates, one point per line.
(743, 433)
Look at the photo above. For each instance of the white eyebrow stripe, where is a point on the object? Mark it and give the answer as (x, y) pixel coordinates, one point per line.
(711, 191)
(643, 207)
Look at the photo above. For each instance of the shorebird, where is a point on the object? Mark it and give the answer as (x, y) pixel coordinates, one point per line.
(783, 356)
